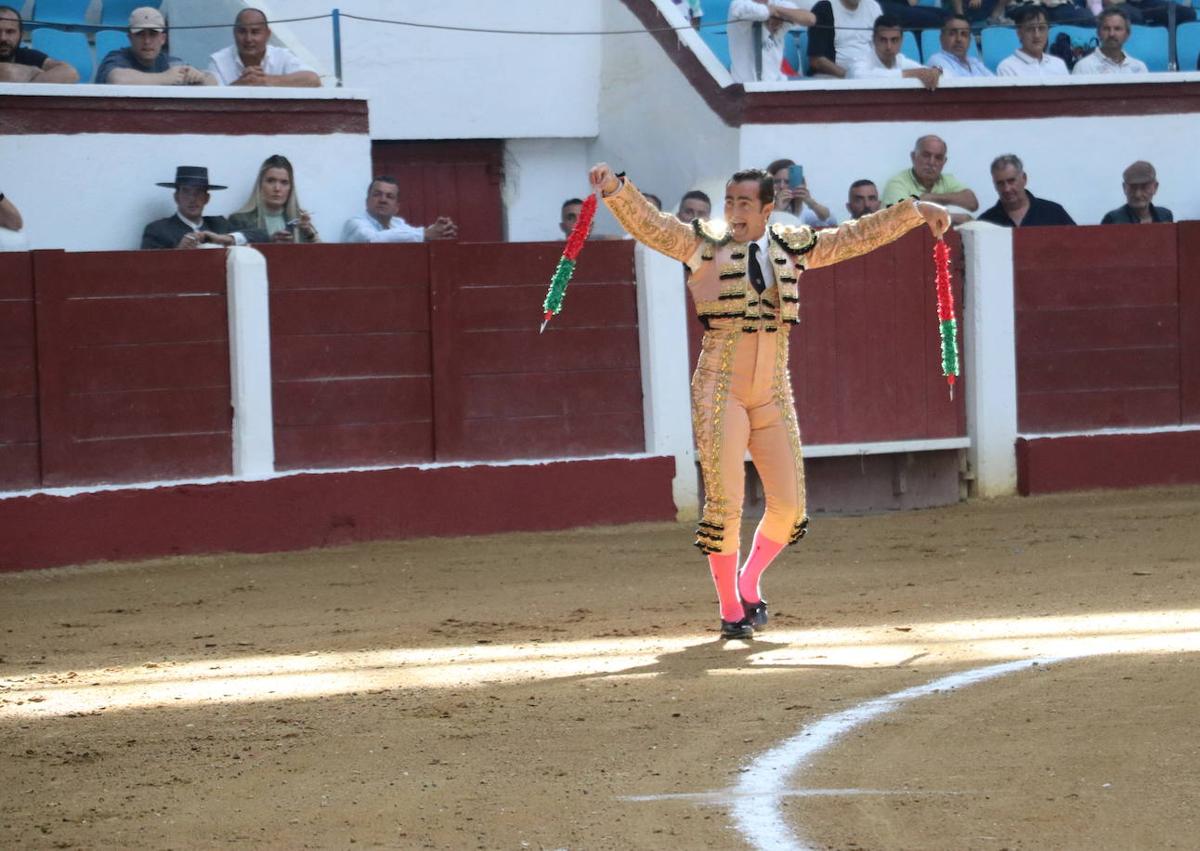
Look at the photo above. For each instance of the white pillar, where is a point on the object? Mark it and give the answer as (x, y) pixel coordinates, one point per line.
(250, 363)
(990, 358)
(666, 384)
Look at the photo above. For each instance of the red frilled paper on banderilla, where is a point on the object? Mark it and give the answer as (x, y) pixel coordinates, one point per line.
(566, 264)
(947, 324)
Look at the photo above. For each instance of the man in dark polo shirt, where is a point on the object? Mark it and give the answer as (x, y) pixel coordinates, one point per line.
(1140, 182)
(22, 65)
(1017, 207)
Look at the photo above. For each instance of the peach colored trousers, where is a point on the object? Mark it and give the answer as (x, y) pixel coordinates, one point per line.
(742, 400)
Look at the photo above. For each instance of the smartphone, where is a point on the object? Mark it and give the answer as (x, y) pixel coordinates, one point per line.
(292, 223)
(795, 176)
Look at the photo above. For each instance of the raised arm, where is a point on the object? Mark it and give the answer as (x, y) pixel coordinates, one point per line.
(860, 236)
(660, 231)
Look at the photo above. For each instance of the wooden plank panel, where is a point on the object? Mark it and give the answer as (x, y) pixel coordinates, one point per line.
(161, 319)
(154, 413)
(1100, 248)
(19, 466)
(602, 261)
(813, 356)
(18, 419)
(150, 366)
(492, 439)
(353, 445)
(563, 350)
(16, 322)
(146, 459)
(1189, 321)
(1096, 328)
(520, 306)
(99, 274)
(345, 266)
(347, 401)
(350, 311)
(552, 394)
(1083, 286)
(16, 275)
(1084, 410)
(1098, 369)
(344, 355)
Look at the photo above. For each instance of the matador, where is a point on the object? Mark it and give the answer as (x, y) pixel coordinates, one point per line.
(745, 281)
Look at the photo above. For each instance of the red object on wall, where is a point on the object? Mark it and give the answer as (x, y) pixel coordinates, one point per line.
(459, 179)
(1188, 234)
(501, 390)
(133, 366)
(1087, 462)
(1098, 325)
(350, 353)
(20, 465)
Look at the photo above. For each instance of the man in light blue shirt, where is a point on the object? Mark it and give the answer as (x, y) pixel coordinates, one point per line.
(954, 58)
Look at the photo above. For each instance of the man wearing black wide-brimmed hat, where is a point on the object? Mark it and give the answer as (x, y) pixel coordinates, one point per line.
(189, 227)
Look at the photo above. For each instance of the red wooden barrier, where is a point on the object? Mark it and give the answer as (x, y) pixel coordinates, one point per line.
(350, 353)
(1189, 320)
(504, 391)
(20, 466)
(133, 366)
(1098, 327)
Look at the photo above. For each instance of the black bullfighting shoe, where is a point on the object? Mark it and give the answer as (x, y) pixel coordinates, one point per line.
(756, 613)
(737, 629)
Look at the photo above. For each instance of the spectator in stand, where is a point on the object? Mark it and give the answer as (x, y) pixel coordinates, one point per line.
(653, 199)
(1017, 206)
(886, 61)
(252, 61)
(775, 18)
(796, 206)
(863, 198)
(955, 57)
(274, 206)
(381, 224)
(978, 11)
(570, 215)
(1031, 58)
(841, 36)
(926, 181)
(1153, 12)
(913, 16)
(143, 63)
(694, 205)
(1064, 12)
(1139, 182)
(22, 64)
(189, 227)
(1112, 31)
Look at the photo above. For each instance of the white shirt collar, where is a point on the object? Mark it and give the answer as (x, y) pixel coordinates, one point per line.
(190, 224)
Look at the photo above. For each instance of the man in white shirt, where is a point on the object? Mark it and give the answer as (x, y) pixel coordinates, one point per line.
(955, 57)
(1112, 31)
(381, 224)
(1031, 59)
(841, 37)
(887, 62)
(252, 61)
(775, 19)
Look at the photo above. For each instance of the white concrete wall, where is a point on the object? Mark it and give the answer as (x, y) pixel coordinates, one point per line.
(96, 192)
(539, 174)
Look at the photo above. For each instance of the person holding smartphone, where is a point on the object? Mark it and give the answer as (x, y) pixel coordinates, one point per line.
(274, 205)
(794, 204)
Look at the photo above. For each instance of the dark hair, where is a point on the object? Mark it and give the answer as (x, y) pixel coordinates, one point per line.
(778, 164)
(15, 14)
(653, 199)
(1112, 12)
(569, 202)
(766, 185)
(383, 178)
(863, 182)
(886, 22)
(1025, 13)
(238, 18)
(697, 195)
(955, 16)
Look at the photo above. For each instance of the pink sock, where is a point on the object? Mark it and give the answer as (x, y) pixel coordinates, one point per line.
(724, 569)
(761, 555)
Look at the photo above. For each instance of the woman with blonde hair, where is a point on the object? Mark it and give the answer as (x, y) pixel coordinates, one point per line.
(274, 206)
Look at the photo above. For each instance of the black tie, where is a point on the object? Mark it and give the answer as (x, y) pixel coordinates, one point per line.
(756, 276)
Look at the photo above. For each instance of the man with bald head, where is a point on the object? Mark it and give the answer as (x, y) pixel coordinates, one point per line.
(927, 181)
(1140, 182)
(252, 61)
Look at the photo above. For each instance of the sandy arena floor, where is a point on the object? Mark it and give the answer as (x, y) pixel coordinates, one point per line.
(566, 690)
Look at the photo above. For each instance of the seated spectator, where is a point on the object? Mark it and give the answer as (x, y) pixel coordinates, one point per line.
(913, 16)
(1031, 58)
(1112, 31)
(252, 61)
(274, 205)
(22, 64)
(189, 227)
(886, 60)
(653, 199)
(863, 198)
(381, 224)
(570, 215)
(1065, 12)
(1140, 183)
(955, 57)
(694, 205)
(927, 182)
(977, 11)
(1153, 12)
(795, 206)
(841, 37)
(143, 63)
(775, 18)
(1017, 207)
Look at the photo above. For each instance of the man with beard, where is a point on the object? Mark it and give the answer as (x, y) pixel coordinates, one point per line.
(926, 180)
(862, 198)
(1017, 207)
(1112, 31)
(144, 63)
(23, 65)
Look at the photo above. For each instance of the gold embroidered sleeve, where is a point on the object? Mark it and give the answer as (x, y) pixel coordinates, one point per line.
(660, 231)
(860, 236)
